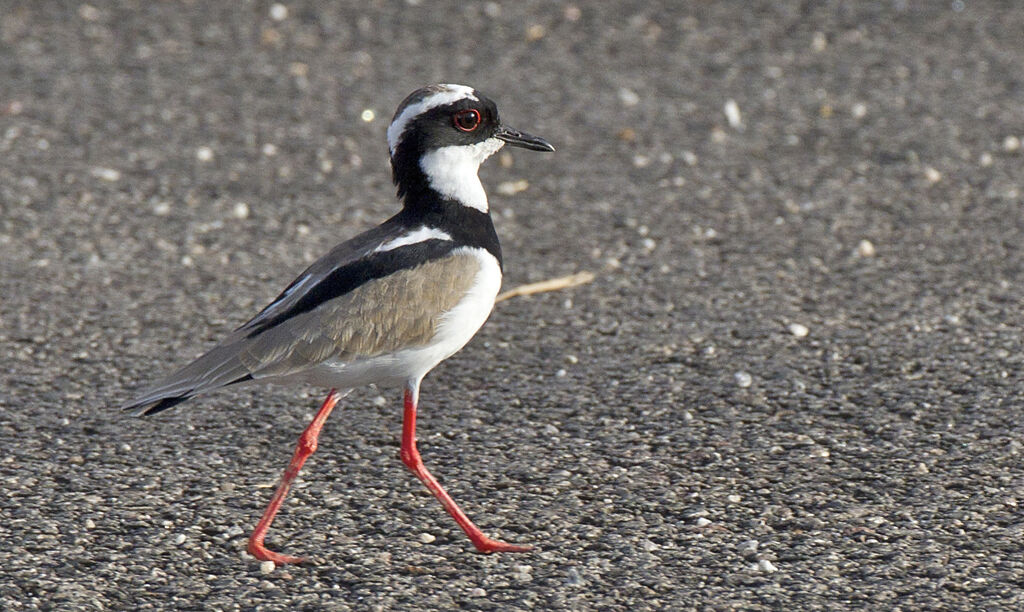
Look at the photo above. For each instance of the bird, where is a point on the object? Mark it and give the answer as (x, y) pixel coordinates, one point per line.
(386, 306)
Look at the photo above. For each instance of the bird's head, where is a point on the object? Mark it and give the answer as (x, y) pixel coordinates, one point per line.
(441, 134)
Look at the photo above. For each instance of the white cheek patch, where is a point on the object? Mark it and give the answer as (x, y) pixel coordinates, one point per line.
(448, 95)
(420, 235)
(451, 171)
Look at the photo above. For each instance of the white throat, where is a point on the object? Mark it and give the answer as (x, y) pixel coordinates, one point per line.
(452, 171)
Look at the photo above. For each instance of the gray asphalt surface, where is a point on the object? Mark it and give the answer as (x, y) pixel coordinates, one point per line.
(794, 383)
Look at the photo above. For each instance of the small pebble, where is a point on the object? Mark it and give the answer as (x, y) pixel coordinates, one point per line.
(427, 538)
(106, 174)
(535, 32)
(478, 592)
(743, 379)
(267, 567)
(1011, 144)
(628, 97)
(798, 330)
(368, 115)
(733, 499)
(932, 175)
(241, 210)
(90, 524)
(513, 187)
(179, 539)
(88, 12)
(858, 110)
(748, 548)
(573, 578)
(732, 113)
(278, 12)
(766, 566)
(270, 149)
(985, 160)
(703, 522)
(204, 154)
(819, 42)
(865, 249)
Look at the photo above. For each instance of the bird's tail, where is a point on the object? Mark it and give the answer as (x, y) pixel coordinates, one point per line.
(137, 409)
(215, 370)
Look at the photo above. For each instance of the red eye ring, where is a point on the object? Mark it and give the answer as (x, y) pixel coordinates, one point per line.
(466, 120)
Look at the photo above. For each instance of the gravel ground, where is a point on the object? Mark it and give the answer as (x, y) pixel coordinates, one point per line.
(793, 383)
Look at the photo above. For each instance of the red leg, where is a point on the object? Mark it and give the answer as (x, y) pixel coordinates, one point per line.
(411, 458)
(305, 448)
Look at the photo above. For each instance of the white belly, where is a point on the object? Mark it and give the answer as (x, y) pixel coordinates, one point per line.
(456, 328)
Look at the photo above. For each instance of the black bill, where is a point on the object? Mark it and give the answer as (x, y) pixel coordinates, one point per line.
(520, 139)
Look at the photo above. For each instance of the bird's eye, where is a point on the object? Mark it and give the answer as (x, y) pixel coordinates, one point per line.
(467, 120)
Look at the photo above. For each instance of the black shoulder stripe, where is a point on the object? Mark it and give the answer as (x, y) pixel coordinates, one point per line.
(348, 277)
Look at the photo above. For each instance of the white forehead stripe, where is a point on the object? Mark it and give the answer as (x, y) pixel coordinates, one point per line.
(420, 235)
(448, 95)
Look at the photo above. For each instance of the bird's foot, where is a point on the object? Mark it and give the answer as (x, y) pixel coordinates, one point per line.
(258, 550)
(487, 546)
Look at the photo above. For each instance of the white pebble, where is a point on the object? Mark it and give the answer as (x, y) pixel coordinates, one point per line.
(743, 379)
(90, 524)
(88, 12)
(368, 115)
(427, 538)
(703, 522)
(1011, 144)
(508, 188)
(865, 249)
(267, 567)
(162, 209)
(278, 12)
(270, 149)
(204, 154)
(766, 566)
(477, 592)
(733, 499)
(858, 110)
(628, 97)
(932, 175)
(106, 174)
(798, 330)
(732, 113)
(819, 42)
(241, 210)
(179, 539)
(985, 160)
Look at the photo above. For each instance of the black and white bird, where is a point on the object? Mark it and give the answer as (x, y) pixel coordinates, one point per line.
(388, 305)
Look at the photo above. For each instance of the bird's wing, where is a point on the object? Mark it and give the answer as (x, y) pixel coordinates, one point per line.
(353, 302)
(401, 309)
